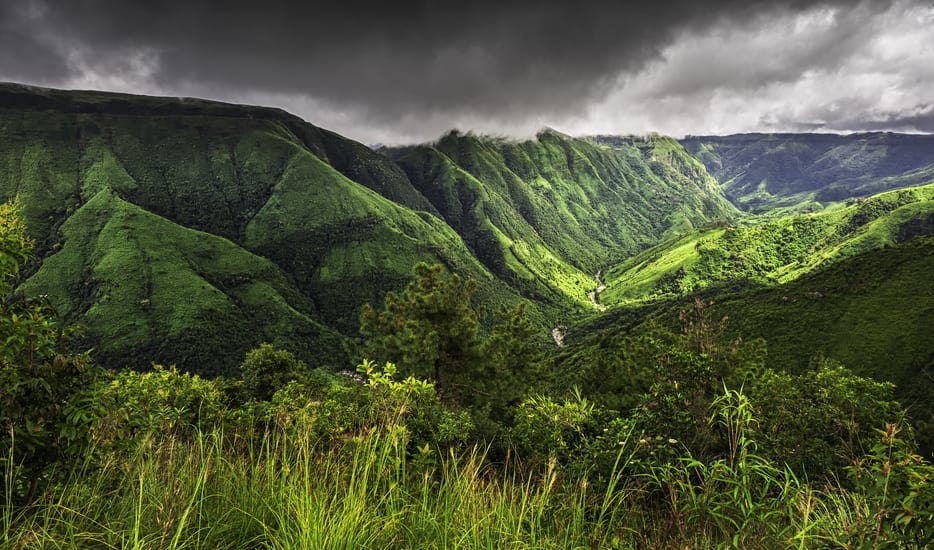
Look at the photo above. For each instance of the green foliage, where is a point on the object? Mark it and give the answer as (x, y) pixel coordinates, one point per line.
(265, 369)
(39, 377)
(432, 331)
(899, 503)
(739, 498)
(160, 402)
(818, 421)
(14, 246)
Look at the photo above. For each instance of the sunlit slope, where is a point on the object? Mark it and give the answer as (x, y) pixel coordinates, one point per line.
(149, 290)
(548, 213)
(873, 312)
(770, 252)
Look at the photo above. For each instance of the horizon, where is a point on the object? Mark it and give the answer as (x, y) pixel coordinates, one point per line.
(462, 131)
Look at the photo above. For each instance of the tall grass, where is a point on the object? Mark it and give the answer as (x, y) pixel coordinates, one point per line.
(291, 491)
(288, 489)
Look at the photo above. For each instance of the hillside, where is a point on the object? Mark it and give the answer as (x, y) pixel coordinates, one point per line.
(547, 214)
(781, 173)
(770, 252)
(165, 225)
(185, 231)
(873, 312)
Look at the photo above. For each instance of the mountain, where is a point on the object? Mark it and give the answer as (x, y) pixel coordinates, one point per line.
(178, 230)
(771, 251)
(873, 312)
(547, 214)
(782, 173)
(184, 231)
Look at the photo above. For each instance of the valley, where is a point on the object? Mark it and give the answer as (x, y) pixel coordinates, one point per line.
(560, 299)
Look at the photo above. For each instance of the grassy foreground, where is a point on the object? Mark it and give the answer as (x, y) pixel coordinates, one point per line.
(289, 489)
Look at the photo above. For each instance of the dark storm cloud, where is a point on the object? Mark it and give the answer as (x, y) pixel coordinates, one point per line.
(390, 58)
(23, 54)
(403, 71)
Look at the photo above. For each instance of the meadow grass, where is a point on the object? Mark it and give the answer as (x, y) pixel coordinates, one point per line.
(290, 490)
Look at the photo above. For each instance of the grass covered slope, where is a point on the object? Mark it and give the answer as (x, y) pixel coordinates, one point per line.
(149, 290)
(257, 180)
(803, 172)
(548, 213)
(771, 252)
(873, 312)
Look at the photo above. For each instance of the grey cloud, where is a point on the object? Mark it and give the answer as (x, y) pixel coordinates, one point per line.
(401, 71)
(390, 58)
(24, 55)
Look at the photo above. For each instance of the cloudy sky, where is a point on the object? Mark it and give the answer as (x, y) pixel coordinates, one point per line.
(395, 72)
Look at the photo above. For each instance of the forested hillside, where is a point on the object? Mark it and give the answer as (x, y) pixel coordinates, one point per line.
(552, 211)
(770, 251)
(166, 227)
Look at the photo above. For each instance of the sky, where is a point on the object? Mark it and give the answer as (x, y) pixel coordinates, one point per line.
(408, 71)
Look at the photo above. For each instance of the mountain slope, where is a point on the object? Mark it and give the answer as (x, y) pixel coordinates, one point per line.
(804, 172)
(257, 179)
(873, 312)
(770, 252)
(548, 213)
(149, 290)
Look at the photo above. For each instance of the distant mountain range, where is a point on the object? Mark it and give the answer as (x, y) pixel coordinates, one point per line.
(787, 173)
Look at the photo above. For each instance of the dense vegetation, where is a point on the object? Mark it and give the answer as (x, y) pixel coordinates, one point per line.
(872, 312)
(190, 235)
(290, 457)
(772, 251)
(545, 215)
(164, 226)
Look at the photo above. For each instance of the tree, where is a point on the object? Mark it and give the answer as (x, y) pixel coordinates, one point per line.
(433, 332)
(266, 369)
(429, 331)
(40, 379)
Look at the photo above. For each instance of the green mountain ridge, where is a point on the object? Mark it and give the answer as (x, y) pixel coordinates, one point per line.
(237, 176)
(546, 214)
(770, 252)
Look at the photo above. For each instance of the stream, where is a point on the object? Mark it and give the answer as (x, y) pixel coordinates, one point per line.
(558, 332)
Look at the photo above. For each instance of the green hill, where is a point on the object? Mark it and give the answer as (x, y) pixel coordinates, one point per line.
(780, 173)
(770, 252)
(873, 312)
(546, 214)
(174, 204)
